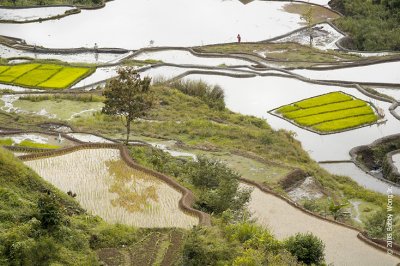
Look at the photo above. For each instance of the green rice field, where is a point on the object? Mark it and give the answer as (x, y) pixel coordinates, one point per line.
(43, 76)
(329, 113)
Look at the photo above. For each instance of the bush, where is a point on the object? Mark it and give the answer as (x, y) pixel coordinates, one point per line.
(204, 246)
(213, 96)
(219, 186)
(306, 248)
(50, 213)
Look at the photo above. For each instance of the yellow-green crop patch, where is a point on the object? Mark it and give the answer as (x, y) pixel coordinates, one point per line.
(65, 77)
(329, 113)
(43, 76)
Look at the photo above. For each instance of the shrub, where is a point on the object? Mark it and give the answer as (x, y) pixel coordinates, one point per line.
(50, 213)
(213, 96)
(306, 248)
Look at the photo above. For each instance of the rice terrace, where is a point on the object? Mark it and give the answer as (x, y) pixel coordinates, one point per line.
(329, 113)
(242, 133)
(43, 76)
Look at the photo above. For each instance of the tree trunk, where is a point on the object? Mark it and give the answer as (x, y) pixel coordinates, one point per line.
(128, 130)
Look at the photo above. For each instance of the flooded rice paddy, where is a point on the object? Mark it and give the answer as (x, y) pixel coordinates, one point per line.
(256, 96)
(81, 57)
(342, 247)
(376, 73)
(29, 14)
(107, 187)
(182, 57)
(138, 24)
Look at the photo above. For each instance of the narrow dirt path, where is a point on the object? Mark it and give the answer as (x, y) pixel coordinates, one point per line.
(342, 245)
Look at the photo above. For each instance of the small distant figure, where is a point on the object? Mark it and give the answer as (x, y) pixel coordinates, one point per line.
(151, 43)
(96, 47)
(59, 139)
(239, 38)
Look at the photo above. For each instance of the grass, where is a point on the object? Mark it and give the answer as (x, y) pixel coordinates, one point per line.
(333, 97)
(291, 111)
(65, 78)
(31, 144)
(330, 112)
(45, 75)
(197, 127)
(346, 123)
(292, 52)
(28, 144)
(59, 108)
(335, 115)
(16, 71)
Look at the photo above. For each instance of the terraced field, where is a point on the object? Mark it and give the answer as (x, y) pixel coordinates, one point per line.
(156, 248)
(107, 187)
(342, 247)
(329, 113)
(43, 76)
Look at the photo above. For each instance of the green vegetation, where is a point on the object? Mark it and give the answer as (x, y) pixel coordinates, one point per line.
(215, 186)
(306, 248)
(234, 243)
(84, 3)
(60, 97)
(372, 25)
(31, 144)
(58, 107)
(330, 112)
(291, 52)
(212, 95)
(28, 144)
(47, 76)
(128, 96)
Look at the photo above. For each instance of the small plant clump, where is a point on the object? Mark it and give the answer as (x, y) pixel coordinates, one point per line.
(332, 112)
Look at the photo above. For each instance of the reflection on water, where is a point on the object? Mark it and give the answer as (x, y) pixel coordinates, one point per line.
(383, 73)
(8, 52)
(25, 14)
(186, 58)
(135, 24)
(362, 178)
(256, 96)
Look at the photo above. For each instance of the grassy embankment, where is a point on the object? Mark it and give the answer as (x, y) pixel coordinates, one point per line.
(43, 76)
(298, 55)
(332, 112)
(83, 3)
(42, 226)
(221, 134)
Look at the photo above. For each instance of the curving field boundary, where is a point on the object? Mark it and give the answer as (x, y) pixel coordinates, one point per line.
(379, 245)
(75, 9)
(185, 203)
(388, 163)
(274, 113)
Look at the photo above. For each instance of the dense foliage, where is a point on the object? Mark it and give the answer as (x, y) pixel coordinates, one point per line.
(215, 185)
(306, 248)
(212, 95)
(372, 25)
(243, 243)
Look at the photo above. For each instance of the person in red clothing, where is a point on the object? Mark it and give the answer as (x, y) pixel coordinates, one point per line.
(239, 38)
